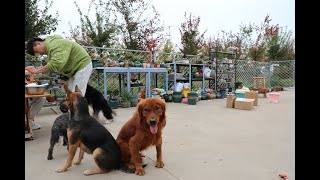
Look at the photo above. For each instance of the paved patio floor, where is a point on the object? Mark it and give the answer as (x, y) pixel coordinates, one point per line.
(203, 142)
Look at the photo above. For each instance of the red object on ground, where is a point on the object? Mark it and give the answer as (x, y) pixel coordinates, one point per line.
(283, 176)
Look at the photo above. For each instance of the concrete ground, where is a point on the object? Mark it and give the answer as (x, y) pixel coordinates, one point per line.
(205, 141)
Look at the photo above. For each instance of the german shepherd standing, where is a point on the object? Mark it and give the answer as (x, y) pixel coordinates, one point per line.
(85, 132)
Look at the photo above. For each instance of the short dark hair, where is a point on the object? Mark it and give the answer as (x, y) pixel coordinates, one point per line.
(31, 43)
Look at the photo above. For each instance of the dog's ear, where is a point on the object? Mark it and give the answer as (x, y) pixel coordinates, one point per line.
(140, 109)
(163, 107)
(77, 89)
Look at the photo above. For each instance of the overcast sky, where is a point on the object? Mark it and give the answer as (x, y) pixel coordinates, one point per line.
(215, 15)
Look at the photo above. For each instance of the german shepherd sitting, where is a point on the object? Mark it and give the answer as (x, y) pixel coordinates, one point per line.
(85, 132)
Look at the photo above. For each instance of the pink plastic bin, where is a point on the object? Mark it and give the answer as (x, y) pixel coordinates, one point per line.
(274, 97)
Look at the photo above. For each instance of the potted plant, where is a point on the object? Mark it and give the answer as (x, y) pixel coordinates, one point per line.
(156, 65)
(52, 97)
(162, 65)
(137, 64)
(100, 62)
(125, 99)
(113, 102)
(135, 58)
(177, 96)
(121, 63)
(192, 97)
(166, 97)
(147, 61)
(143, 63)
(134, 100)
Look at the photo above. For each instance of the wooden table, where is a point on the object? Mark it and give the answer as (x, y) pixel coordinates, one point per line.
(28, 134)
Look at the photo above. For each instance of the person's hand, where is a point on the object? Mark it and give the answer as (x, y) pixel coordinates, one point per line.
(27, 72)
(31, 69)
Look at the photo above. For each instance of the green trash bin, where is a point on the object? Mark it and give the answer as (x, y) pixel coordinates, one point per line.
(177, 97)
(192, 98)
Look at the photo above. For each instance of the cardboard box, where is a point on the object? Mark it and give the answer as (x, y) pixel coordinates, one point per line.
(253, 95)
(243, 103)
(230, 101)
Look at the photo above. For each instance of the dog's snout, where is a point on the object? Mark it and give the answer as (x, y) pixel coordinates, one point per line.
(152, 122)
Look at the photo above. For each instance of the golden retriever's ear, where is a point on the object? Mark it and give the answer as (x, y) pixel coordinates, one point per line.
(164, 107)
(140, 109)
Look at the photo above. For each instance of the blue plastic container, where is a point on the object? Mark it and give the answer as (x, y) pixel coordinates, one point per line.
(240, 95)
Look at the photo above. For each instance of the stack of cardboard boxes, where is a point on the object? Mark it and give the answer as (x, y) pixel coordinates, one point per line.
(247, 103)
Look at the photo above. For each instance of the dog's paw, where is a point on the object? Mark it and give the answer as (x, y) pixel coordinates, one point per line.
(140, 171)
(159, 164)
(60, 170)
(76, 162)
(87, 172)
(49, 157)
(108, 121)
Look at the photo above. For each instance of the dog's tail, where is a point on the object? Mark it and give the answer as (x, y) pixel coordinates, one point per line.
(126, 169)
(108, 113)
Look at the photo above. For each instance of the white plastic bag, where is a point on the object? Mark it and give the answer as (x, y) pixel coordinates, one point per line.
(186, 85)
(206, 72)
(179, 87)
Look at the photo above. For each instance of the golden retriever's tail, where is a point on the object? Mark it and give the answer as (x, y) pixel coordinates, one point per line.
(126, 169)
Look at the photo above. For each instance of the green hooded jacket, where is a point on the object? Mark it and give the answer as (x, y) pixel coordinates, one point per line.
(65, 56)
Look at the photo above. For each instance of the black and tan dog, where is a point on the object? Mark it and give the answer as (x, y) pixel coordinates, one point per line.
(98, 105)
(90, 136)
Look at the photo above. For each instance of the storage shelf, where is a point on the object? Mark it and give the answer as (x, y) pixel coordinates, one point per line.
(192, 79)
(171, 80)
(191, 69)
(228, 68)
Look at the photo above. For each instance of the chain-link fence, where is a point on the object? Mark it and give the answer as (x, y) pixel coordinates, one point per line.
(277, 73)
(282, 73)
(157, 80)
(178, 57)
(119, 55)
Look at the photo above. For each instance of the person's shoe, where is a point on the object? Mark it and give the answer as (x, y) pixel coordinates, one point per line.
(35, 126)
